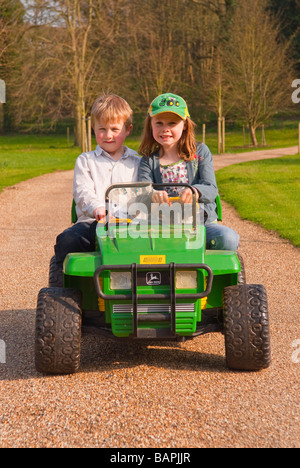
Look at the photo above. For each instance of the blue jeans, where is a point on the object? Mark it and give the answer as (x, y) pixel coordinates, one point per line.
(81, 237)
(219, 237)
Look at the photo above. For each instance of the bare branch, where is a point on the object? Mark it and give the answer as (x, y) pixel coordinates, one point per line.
(216, 6)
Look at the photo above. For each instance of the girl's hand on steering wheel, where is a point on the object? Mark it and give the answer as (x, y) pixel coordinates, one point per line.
(160, 197)
(186, 196)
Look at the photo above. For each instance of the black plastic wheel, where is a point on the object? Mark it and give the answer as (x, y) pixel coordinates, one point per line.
(246, 327)
(55, 274)
(58, 331)
(242, 273)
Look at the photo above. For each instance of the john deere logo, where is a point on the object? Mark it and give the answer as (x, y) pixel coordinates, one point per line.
(153, 278)
(169, 102)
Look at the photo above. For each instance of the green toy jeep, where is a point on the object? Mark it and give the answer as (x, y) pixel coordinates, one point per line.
(151, 278)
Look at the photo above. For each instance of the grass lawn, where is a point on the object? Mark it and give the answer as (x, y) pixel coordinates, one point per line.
(266, 192)
(25, 156)
(279, 135)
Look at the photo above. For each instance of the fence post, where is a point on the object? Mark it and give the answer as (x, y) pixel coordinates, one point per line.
(203, 132)
(223, 134)
(263, 137)
(2, 101)
(83, 134)
(219, 134)
(89, 134)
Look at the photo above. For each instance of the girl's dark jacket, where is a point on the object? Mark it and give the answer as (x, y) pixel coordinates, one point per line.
(201, 175)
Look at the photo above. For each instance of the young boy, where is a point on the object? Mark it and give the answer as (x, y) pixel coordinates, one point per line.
(110, 163)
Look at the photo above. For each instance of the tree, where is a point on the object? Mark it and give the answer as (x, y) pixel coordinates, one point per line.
(171, 46)
(72, 50)
(259, 78)
(216, 6)
(210, 63)
(66, 58)
(288, 12)
(11, 30)
(155, 54)
(11, 14)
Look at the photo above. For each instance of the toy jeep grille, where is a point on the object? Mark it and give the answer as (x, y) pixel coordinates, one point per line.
(152, 308)
(131, 319)
(148, 316)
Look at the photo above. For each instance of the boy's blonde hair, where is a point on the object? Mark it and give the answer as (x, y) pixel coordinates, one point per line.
(110, 108)
(187, 144)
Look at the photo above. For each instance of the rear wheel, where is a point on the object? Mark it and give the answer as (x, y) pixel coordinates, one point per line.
(246, 327)
(58, 331)
(55, 274)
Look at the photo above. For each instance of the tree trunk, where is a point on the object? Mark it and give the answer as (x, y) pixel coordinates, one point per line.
(80, 111)
(77, 133)
(253, 134)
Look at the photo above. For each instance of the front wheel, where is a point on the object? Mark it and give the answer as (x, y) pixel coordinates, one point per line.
(246, 327)
(58, 331)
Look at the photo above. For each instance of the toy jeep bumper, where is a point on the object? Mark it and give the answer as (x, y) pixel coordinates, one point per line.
(176, 316)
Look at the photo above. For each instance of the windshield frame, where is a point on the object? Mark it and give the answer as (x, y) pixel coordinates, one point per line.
(155, 186)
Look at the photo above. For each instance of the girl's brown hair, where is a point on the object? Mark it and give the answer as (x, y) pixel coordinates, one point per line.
(186, 146)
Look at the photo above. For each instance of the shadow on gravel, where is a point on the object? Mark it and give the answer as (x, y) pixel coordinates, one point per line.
(103, 354)
(17, 330)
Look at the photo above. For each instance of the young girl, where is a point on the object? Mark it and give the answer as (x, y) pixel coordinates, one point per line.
(171, 154)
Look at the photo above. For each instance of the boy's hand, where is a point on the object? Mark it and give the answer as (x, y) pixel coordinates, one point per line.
(99, 213)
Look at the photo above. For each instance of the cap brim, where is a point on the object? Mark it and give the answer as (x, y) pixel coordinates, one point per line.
(152, 114)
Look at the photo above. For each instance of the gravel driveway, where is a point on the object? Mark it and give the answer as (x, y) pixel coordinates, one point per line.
(133, 395)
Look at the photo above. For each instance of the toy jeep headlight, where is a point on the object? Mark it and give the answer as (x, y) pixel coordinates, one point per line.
(120, 280)
(186, 280)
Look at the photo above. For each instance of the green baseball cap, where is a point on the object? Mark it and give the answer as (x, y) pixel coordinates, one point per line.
(169, 103)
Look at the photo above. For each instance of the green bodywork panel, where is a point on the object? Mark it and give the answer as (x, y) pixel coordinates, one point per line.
(118, 246)
(122, 251)
(115, 248)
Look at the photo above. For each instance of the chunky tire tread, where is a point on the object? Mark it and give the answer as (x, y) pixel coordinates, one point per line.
(58, 331)
(242, 273)
(55, 274)
(246, 327)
